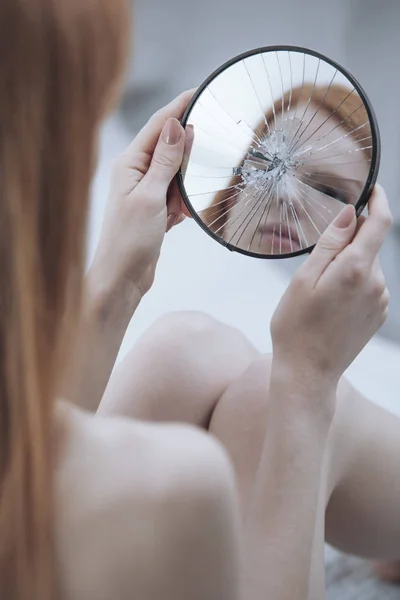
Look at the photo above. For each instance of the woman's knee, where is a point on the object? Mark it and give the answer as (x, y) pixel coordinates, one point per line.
(180, 368)
(185, 325)
(201, 355)
(197, 336)
(172, 372)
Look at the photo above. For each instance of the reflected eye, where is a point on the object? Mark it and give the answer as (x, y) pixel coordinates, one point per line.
(332, 192)
(330, 185)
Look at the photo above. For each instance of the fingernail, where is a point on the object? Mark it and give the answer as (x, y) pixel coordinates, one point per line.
(189, 131)
(171, 220)
(345, 217)
(172, 132)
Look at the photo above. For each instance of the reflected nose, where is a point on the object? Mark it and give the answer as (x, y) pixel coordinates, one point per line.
(309, 209)
(293, 197)
(301, 200)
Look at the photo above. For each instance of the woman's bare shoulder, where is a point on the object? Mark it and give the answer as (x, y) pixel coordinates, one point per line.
(127, 494)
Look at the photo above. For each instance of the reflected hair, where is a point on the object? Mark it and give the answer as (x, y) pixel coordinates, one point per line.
(347, 109)
(61, 65)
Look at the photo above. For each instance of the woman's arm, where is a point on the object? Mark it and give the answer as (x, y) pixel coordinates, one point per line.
(104, 319)
(282, 524)
(333, 306)
(142, 207)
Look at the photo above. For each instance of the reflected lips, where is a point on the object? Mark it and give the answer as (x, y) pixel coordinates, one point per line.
(285, 240)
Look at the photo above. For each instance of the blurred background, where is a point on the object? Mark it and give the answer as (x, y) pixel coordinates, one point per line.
(176, 45)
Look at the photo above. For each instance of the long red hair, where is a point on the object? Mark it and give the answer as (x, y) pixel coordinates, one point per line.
(61, 62)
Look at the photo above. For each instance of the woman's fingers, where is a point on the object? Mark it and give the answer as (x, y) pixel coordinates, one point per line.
(165, 162)
(361, 219)
(373, 231)
(176, 205)
(174, 199)
(334, 239)
(379, 288)
(146, 140)
(363, 238)
(134, 163)
(189, 130)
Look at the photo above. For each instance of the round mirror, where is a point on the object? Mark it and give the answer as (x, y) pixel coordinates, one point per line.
(280, 138)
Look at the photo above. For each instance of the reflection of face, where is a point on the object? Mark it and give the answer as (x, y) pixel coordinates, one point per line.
(283, 205)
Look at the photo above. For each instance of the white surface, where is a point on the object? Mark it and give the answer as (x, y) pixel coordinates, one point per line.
(196, 273)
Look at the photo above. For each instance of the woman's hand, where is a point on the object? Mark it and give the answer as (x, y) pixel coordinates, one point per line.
(338, 299)
(142, 206)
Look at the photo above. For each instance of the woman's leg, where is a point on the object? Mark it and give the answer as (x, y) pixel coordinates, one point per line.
(359, 497)
(178, 370)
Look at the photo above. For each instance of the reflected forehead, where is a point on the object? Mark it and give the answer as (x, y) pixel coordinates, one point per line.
(318, 113)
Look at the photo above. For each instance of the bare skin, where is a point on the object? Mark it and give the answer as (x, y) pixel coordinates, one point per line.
(126, 493)
(239, 416)
(239, 424)
(205, 374)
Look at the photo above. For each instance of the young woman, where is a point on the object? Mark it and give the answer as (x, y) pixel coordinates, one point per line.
(110, 505)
